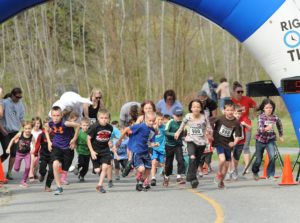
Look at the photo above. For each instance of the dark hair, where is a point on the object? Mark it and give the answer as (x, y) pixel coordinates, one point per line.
(16, 91)
(229, 103)
(167, 116)
(134, 112)
(264, 103)
(8, 95)
(223, 79)
(37, 118)
(236, 85)
(115, 122)
(171, 93)
(145, 103)
(191, 103)
(56, 108)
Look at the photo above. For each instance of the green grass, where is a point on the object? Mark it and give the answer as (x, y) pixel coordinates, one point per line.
(290, 139)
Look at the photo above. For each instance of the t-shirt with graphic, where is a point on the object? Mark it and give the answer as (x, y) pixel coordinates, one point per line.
(62, 134)
(246, 103)
(24, 143)
(224, 130)
(195, 129)
(161, 139)
(82, 148)
(141, 135)
(122, 150)
(100, 136)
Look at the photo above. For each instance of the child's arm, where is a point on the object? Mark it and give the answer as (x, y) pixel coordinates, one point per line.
(167, 129)
(47, 130)
(33, 145)
(183, 124)
(92, 151)
(280, 129)
(37, 144)
(128, 131)
(12, 141)
(76, 126)
(236, 140)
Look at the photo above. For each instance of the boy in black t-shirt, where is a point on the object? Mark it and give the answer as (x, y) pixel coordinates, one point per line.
(98, 138)
(225, 127)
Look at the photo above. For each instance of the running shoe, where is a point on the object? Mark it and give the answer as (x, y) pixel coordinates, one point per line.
(221, 185)
(81, 178)
(100, 189)
(181, 180)
(235, 175)
(24, 185)
(41, 178)
(255, 176)
(58, 191)
(153, 182)
(146, 184)
(9, 176)
(228, 176)
(47, 189)
(139, 187)
(166, 182)
(218, 178)
(117, 177)
(110, 184)
(194, 183)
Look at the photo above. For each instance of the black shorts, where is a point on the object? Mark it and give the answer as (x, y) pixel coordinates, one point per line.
(64, 156)
(118, 162)
(101, 159)
(5, 140)
(206, 158)
(237, 151)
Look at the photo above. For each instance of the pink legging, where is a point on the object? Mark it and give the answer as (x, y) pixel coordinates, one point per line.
(27, 159)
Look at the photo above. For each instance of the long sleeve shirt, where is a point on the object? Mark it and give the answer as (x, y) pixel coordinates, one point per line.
(171, 128)
(264, 136)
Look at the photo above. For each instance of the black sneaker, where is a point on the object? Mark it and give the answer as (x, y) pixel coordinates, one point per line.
(76, 170)
(110, 184)
(194, 183)
(9, 177)
(81, 178)
(41, 178)
(100, 189)
(139, 187)
(58, 191)
(127, 169)
(145, 189)
(153, 182)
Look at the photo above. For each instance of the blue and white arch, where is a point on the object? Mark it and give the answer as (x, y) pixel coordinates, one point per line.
(269, 29)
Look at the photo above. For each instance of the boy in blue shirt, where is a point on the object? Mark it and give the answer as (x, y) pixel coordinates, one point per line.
(140, 138)
(158, 156)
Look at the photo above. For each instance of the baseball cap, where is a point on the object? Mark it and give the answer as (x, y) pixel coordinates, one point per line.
(202, 93)
(177, 111)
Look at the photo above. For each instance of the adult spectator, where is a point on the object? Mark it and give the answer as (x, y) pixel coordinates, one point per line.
(168, 103)
(90, 110)
(12, 112)
(129, 111)
(223, 92)
(246, 103)
(209, 87)
(208, 104)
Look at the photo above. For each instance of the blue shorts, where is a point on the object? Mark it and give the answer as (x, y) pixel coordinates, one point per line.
(142, 159)
(160, 157)
(225, 151)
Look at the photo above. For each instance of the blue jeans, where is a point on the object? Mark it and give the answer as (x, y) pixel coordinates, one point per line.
(260, 148)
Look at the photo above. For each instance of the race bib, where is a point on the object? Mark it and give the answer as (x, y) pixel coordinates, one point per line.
(226, 132)
(267, 123)
(196, 131)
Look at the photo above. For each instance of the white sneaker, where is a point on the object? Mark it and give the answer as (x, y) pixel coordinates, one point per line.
(235, 175)
(228, 176)
(72, 168)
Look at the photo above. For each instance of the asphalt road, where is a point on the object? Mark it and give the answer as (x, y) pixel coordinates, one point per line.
(244, 200)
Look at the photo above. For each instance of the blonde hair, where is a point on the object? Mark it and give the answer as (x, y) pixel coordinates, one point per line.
(27, 123)
(93, 92)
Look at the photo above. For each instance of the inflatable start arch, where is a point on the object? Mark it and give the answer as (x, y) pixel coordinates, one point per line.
(269, 29)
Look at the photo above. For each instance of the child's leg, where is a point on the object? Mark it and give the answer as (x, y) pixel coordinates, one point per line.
(31, 174)
(50, 175)
(43, 166)
(180, 162)
(109, 172)
(117, 167)
(170, 152)
(85, 165)
(27, 160)
(271, 164)
(192, 168)
(18, 161)
(259, 151)
(154, 162)
(103, 174)
(56, 165)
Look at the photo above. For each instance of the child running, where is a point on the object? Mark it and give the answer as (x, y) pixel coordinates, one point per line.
(82, 150)
(225, 127)
(266, 137)
(24, 140)
(238, 149)
(158, 155)
(141, 137)
(198, 130)
(173, 148)
(41, 150)
(98, 139)
(62, 145)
